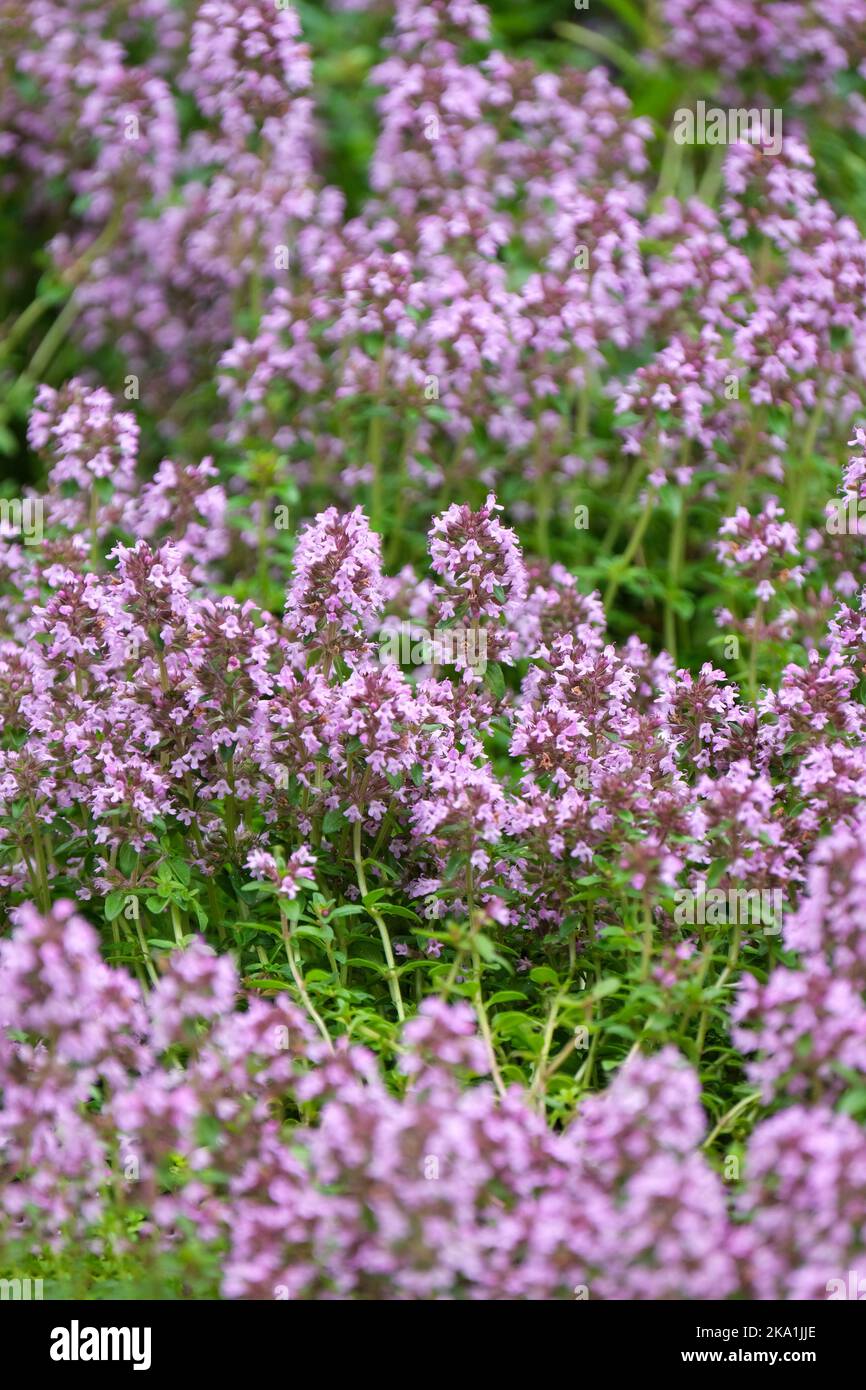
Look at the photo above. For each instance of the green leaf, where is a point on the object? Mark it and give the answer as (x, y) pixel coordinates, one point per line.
(607, 986)
(364, 964)
(258, 926)
(114, 905)
(320, 934)
(8, 442)
(371, 899)
(180, 869)
(495, 680)
(543, 975)
(392, 910)
(127, 859)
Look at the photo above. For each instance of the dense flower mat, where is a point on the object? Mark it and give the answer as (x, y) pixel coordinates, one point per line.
(155, 1119)
(432, 646)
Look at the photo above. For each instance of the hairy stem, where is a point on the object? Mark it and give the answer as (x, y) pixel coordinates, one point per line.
(393, 980)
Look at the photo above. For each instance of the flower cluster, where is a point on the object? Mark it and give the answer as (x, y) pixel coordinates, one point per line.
(821, 44)
(210, 248)
(427, 1186)
(430, 660)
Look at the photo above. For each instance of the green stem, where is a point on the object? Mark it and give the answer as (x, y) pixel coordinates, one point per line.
(94, 527)
(404, 496)
(628, 554)
(647, 948)
(703, 1024)
(299, 982)
(671, 168)
(262, 551)
(50, 343)
(393, 980)
(800, 482)
(25, 320)
(375, 446)
(72, 277)
(602, 46)
(456, 965)
(753, 651)
(231, 804)
(145, 951)
(541, 1071)
(584, 1075)
(480, 1009)
(175, 922)
(41, 859)
(542, 513)
(628, 492)
(484, 1024)
(732, 1114)
(741, 478)
(675, 560)
(708, 188)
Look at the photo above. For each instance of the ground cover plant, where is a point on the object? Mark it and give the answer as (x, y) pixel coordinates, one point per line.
(432, 845)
